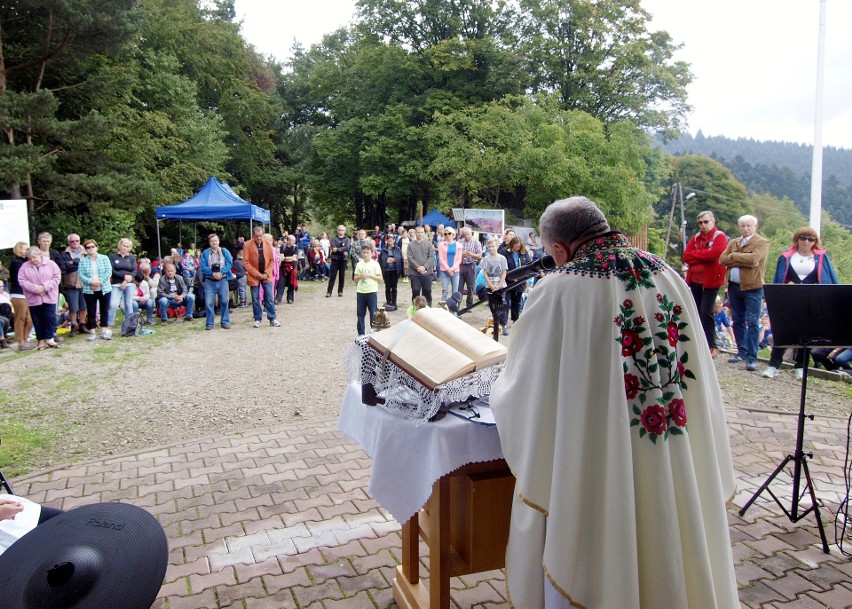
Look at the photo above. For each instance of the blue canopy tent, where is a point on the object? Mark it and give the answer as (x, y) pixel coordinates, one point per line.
(215, 201)
(434, 218)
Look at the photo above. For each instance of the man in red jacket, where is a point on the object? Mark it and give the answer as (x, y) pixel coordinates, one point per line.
(705, 275)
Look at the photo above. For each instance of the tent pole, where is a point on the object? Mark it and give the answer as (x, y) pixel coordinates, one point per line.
(180, 231)
(159, 252)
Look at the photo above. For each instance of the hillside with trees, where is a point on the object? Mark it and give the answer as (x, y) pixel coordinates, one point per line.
(782, 169)
(109, 109)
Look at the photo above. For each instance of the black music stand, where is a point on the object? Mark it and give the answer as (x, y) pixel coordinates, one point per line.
(805, 316)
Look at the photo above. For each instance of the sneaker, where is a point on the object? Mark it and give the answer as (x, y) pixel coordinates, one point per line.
(106, 335)
(164, 321)
(189, 319)
(73, 331)
(85, 330)
(799, 374)
(256, 324)
(770, 373)
(736, 359)
(328, 295)
(340, 294)
(274, 323)
(751, 366)
(208, 327)
(91, 336)
(505, 331)
(226, 326)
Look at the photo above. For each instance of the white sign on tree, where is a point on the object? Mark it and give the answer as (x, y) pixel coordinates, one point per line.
(14, 224)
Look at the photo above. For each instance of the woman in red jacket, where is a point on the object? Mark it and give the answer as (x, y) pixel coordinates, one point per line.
(705, 275)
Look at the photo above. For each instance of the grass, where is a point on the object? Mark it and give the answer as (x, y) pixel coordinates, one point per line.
(41, 407)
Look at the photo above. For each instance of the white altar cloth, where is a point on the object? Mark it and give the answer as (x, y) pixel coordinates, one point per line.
(409, 457)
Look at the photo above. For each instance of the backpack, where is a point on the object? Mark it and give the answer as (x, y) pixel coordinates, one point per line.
(131, 326)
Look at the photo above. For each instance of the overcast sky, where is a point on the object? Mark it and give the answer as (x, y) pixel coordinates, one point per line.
(754, 61)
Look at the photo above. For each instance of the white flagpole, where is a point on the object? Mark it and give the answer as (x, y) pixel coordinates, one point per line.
(816, 167)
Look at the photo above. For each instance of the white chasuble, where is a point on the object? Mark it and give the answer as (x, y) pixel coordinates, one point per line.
(611, 418)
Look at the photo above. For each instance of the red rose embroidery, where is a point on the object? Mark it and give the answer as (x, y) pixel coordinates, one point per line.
(628, 304)
(631, 385)
(673, 333)
(654, 419)
(677, 309)
(677, 411)
(659, 317)
(631, 343)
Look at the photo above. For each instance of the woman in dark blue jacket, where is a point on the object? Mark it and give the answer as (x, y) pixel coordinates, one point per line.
(390, 259)
(804, 262)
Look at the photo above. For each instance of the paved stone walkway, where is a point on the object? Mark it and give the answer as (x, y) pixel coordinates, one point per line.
(282, 519)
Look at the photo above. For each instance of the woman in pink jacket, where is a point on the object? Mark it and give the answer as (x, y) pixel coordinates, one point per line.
(39, 279)
(449, 262)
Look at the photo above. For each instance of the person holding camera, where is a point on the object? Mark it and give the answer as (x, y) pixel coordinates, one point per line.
(215, 270)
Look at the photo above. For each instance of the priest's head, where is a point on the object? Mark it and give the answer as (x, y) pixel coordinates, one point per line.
(567, 223)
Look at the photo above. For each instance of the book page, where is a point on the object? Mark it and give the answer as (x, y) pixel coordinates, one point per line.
(422, 354)
(479, 347)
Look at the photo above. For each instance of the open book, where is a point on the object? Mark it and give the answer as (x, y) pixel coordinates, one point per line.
(435, 347)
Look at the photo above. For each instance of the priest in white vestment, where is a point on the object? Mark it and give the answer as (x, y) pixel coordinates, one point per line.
(611, 418)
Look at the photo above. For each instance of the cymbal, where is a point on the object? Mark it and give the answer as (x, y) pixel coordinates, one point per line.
(100, 556)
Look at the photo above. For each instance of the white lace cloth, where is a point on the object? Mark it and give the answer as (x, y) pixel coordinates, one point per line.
(401, 392)
(409, 458)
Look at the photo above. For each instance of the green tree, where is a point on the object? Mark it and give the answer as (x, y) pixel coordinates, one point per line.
(600, 57)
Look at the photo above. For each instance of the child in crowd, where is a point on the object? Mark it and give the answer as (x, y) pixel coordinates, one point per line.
(418, 303)
(368, 274)
(316, 260)
(724, 331)
(239, 270)
(494, 267)
(765, 335)
(188, 267)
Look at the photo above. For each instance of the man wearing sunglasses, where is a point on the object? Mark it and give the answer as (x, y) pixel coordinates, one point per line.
(705, 275)
(746, 261)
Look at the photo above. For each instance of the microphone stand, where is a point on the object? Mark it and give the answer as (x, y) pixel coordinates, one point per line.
(496, 303)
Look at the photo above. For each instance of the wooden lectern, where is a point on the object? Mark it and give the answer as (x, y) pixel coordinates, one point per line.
(465, 523)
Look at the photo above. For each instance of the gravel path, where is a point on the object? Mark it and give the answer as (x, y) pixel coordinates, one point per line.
(103, 398)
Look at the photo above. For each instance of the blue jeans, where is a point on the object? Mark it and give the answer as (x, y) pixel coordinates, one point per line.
(116, 298)
(268, 294)
(745, 309)
(149, 309)
(164, 303)
(366, 302)
(447, 281)
(212, 288)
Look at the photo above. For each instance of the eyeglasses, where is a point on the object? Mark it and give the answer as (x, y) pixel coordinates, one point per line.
(73, 241)
(91, 247)
(449, 233)
(705, 221)
(811, 239)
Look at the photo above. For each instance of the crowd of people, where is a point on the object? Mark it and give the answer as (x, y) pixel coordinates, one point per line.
(45, 288)
(738, 264)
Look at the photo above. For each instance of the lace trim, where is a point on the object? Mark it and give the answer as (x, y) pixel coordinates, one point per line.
(406, 395)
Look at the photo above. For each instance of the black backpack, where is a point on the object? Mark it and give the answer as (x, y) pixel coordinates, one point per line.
(131, 326)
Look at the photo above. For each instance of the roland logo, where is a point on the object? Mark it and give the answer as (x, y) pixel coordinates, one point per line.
(105, 524)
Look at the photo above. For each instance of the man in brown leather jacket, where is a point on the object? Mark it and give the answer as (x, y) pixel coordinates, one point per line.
(746, 261)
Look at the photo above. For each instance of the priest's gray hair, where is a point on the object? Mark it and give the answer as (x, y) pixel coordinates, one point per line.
(572, 220)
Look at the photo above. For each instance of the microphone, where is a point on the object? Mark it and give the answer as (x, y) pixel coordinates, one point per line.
(522, 273)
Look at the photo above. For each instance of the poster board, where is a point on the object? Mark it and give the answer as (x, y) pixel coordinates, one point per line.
(14, 223)
(485, 220)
